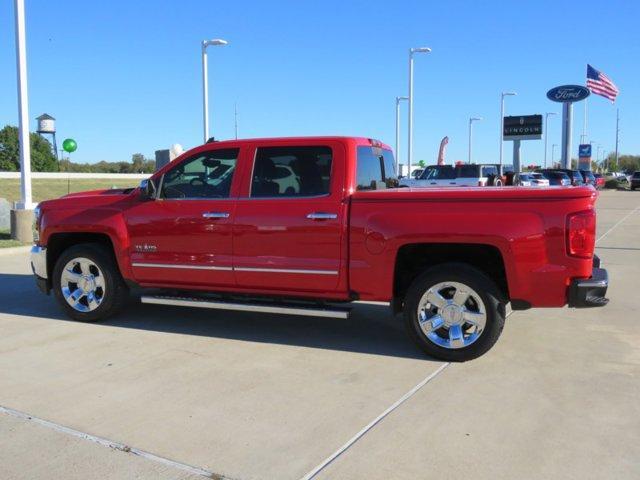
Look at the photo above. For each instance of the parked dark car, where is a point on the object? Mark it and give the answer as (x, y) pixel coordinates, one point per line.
(556, 177)
(635, 180)
(574, 175)
(588, 177)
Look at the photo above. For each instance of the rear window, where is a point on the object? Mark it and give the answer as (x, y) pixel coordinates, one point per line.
(636, 174)
(375, 169)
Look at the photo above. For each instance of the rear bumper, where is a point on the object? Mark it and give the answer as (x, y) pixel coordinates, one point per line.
(590, 292)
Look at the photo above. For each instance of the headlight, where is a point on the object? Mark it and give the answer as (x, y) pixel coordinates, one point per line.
(36, 215)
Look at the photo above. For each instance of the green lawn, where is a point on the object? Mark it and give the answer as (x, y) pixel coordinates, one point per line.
(44, 189)
(5, 240)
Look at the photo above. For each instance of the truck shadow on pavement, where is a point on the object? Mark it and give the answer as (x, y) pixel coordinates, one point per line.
(371, 329)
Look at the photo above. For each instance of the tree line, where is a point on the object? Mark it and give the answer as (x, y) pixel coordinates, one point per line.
(44, 160)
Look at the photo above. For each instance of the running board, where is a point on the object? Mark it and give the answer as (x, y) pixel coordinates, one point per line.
(246, 307)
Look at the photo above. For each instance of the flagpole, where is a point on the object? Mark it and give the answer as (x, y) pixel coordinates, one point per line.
(617, 132)
(584, 125)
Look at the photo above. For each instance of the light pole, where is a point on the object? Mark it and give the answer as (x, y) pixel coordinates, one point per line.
(205, 81)
(410, 122)
(398, 100)
(23, 109)
(553, 154)
(502, 95)
(471, 120)
(546, 134)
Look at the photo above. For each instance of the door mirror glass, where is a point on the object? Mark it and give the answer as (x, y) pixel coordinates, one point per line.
(148, 189)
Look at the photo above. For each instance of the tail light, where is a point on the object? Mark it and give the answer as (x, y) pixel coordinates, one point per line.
(581, 234)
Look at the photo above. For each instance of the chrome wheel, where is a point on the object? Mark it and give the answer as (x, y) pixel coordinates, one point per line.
(452, 315)
(82, 284)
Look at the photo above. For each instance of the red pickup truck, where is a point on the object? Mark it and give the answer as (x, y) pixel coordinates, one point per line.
(306, 225)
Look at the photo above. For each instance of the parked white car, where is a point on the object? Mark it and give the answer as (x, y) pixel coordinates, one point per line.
(532, 179)
(466, 175)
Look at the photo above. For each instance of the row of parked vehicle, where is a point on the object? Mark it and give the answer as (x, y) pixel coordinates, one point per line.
(483, 175)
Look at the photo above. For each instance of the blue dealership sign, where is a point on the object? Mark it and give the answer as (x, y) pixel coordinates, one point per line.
(584, 150)
(568, 93)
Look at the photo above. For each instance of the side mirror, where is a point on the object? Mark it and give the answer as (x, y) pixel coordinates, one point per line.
(148, 189)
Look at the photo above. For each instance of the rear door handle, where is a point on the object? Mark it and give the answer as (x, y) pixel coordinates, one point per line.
(322, 216)
(215, 215)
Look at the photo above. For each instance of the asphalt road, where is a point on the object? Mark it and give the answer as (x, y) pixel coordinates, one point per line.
(169, 393)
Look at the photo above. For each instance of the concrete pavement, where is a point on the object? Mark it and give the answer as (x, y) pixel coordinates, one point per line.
(261, 397)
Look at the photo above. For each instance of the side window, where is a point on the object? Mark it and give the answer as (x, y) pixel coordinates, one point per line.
(468, 171)
(375, 169)
(206, 175)
(291, 172)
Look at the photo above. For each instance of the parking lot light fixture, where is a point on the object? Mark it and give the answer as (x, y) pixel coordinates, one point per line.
(216, 42)
(398, 100)
(546, 135)
(504, 94)
(412, 51)
(471, 120)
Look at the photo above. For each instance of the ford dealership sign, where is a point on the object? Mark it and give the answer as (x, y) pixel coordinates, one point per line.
(568, 93)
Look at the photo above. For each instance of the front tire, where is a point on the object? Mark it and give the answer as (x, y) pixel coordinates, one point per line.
(454, 312)
(88, 284)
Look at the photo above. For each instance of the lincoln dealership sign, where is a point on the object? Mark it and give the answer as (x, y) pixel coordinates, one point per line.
(568, 93)
(525, 127)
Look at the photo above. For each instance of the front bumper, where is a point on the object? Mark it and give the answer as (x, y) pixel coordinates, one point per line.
(590, 292)
(39, 267)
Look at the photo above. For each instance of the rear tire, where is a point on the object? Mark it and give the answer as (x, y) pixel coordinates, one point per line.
(87, 283)
(456, 327)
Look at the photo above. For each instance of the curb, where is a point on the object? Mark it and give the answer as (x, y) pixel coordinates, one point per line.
(11, 250)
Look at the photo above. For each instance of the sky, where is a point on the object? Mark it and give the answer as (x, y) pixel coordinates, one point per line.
(123, 77)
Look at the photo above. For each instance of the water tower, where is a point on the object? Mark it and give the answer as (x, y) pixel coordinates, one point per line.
(47, 126)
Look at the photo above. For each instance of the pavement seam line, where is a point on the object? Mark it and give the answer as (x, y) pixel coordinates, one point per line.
(112, 444)
(618, 223)
(374, 422)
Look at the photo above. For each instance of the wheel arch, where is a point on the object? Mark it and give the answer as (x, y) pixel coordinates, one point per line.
(413, 259)
(57, 243)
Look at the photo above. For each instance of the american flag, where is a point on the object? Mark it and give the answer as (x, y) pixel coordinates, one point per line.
(600, 84)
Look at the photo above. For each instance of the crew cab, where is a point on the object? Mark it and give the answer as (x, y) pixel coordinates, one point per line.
(218, 228)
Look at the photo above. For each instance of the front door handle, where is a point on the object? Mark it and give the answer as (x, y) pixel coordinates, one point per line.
(215, 215)
(322, 216)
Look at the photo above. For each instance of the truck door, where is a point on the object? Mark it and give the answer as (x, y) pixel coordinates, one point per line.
(183, 237)
(289, 224)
